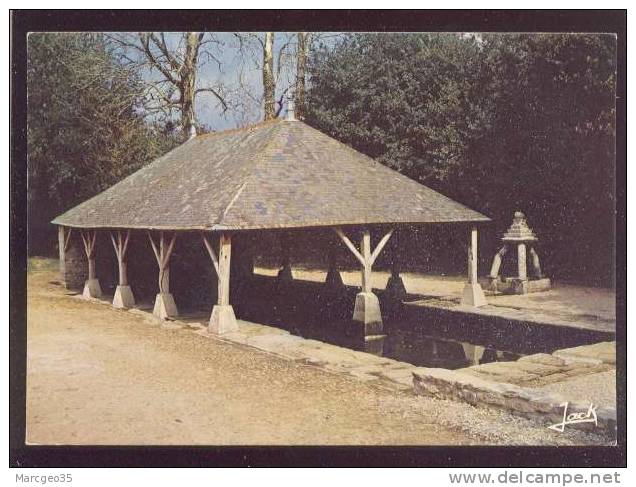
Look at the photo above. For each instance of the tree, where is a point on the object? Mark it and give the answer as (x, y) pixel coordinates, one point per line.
(269, 83)
(498, 122)
(303, 42)
(176, 58)
(405, 99)
(274, 65)
(85, 127)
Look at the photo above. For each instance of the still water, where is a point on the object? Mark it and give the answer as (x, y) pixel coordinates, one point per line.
(415, 334)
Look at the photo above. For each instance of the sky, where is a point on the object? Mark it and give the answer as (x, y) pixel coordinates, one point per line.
(236, 71)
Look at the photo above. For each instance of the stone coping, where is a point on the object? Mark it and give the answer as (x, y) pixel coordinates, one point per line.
(359, 365)
(491, 385)
(450, 304)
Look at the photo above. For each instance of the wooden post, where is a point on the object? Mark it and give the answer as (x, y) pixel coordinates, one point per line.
(165, 306)
(473, 255)
(124, 297)
(62, 254)
(366, 257)
(89, 237)
(225, 254)
(366, 265)
(120, 244)
(222, 319)
(473, 294)
(92, 288)
(367, 307)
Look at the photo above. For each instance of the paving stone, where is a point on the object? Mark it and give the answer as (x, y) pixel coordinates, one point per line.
(544, 359)
(526, 402)
(538, 368)
(502, 372)
(604, 352)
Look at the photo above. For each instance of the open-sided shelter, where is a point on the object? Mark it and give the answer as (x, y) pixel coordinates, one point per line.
(281, 174)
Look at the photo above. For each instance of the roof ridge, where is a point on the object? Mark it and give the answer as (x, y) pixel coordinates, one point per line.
(348, 147)
(257, 160)
(247, 128)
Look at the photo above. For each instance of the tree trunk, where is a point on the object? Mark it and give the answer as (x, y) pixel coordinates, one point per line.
(187, 74)
(269, 84)
(301, 70)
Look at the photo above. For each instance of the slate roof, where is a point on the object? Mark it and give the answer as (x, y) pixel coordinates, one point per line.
(278, 174)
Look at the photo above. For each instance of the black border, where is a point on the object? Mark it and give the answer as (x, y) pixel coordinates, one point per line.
(24, 21)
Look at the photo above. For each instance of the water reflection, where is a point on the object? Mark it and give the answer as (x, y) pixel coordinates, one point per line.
(414, 334)
(431, 351)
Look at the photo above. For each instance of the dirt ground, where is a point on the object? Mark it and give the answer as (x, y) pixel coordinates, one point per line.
(101, 376)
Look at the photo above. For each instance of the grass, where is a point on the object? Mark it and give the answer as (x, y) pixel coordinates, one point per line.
(38, 264)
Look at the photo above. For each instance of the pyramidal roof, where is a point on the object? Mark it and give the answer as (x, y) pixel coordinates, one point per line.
(519, 231)
(279, 174)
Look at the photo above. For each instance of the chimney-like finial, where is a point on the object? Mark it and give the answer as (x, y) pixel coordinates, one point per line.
(290, 116)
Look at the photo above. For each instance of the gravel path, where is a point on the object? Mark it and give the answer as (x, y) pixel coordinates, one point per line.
(96, 375)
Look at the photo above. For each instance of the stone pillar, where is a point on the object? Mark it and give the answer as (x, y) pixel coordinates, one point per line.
(473, 353)
(73, 263)
(395, 285)
(284, 274)
(395, 288)
(165, 306)
(334, 283)
(496, 262)
(494, 269)
(473, 294)
(536, 264)
(521, 261)
(223, 319)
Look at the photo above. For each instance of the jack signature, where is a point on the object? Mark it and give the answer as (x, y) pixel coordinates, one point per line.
(573, 418)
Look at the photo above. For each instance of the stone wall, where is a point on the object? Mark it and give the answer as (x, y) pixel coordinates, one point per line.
(544, 407)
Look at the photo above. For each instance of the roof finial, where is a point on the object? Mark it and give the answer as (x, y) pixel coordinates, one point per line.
(290, 116)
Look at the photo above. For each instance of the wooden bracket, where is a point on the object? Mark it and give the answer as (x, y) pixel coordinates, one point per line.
(380, 246)
(361, 258)
(213, 257)
(89, 237)
(350, 245)
(120, 244)
(67, 238)
(162, 254)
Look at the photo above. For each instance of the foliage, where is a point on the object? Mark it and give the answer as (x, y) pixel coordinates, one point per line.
(84, 128)
(498, 122)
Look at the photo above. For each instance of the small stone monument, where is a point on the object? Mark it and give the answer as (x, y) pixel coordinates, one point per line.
(521, 235)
